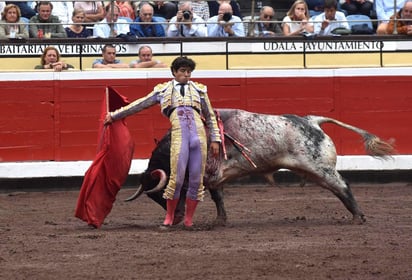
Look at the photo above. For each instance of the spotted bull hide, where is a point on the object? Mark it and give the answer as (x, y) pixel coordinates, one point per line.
(273, 142)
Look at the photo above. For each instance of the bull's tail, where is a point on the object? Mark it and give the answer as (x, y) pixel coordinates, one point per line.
(374, 146)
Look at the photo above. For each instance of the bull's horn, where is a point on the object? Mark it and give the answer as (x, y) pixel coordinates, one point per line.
(162, 182)
(136, 194)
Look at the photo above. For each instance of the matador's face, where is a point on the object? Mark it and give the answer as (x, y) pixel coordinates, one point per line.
(183, 74)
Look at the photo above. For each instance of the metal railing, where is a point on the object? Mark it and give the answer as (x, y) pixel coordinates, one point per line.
(254, 7)
(231, 45)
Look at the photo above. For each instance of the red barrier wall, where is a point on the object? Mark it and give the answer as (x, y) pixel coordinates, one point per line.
(58, 119)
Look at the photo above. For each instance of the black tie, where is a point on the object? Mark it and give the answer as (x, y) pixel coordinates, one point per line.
(182, 89)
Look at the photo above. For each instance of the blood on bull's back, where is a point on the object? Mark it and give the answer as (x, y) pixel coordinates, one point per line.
(274, 142)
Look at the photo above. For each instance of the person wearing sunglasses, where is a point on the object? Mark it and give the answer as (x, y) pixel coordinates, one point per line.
(266, 25)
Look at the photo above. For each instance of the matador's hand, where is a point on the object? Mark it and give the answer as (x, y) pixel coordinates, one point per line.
(108, 119)
(214, 148)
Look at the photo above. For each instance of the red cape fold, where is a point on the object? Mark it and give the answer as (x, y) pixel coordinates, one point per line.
(110, 167)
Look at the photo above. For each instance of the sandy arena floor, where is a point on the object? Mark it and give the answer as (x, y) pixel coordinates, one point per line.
(286, 232)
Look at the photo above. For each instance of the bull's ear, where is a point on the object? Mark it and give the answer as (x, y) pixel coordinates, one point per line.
(156, 141)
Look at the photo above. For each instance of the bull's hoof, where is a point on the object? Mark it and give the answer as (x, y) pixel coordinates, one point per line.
(358, 219)
(220, 221)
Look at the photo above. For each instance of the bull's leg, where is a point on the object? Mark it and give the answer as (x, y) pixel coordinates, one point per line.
(332, 180)
(217, 197)
(351, 204)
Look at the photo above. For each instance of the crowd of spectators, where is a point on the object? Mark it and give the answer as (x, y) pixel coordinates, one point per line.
(220, 18)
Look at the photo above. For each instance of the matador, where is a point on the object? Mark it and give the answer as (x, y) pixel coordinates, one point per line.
(185, 103)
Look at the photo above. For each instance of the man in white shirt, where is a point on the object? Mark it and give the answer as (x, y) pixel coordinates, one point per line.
(186, 23)
(330, 19)
(111, 26)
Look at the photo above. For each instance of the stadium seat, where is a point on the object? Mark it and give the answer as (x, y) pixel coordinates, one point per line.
(313, 13)
(359, 19)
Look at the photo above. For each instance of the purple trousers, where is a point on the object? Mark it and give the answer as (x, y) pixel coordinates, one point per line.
(188, 151)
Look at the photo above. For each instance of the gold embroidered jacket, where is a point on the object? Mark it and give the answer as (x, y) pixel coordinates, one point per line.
(170, 98)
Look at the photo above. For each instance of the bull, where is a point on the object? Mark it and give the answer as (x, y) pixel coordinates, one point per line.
(263, 144)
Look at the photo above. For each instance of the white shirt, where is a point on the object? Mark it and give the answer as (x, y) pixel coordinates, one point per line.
(198, 28)
(293, 25)
(339, 21)
(102, 29)
(214, 29)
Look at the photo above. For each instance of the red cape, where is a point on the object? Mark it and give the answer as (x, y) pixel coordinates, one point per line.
(110, 167)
